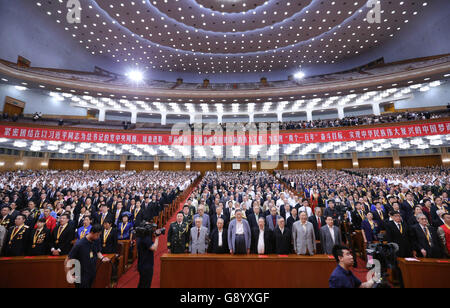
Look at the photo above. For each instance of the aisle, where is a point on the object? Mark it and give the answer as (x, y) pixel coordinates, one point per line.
(131, 278)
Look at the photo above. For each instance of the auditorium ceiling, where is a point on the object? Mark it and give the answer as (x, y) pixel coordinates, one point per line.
(227, 36)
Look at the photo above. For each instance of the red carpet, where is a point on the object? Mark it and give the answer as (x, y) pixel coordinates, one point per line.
(131, 278)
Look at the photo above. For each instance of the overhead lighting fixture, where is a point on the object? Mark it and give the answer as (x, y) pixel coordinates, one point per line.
(299, 75)
(135, 76)
(20, 88)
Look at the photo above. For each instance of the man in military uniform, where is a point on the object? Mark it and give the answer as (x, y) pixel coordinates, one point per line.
(5, 218)
(18, 238)
(40, 239)
(178, 236)
(187, 217)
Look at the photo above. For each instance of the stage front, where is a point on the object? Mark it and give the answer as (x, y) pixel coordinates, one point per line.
(246, 271)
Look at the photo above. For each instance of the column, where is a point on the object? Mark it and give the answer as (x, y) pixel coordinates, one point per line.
(285, 163)
(101, 115)
(163, 118)
(156, 163)
(45, 161)
(133, 117)
(251, 117)
(254, 164)
(191, 118)
(123, 162)
(219, 118)
(376, 109)
(188, 164)
(309, 115)
(86, 162)
(355, 160)
(396, 159)
(341, 114)
(280, 117)
(319, 161)
(445, 156)
(219, 164)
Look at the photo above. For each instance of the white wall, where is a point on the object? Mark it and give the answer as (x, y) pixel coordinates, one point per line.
(38, 101)
(438, 96)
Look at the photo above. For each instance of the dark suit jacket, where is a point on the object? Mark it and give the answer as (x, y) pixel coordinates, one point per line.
(407, 209)
(419, 241)
(111, 242)
(152, 210)
(313, 220)
(283, 242)
(213, 221)
(98, 218)
(43, 243)
(65, 240)
(268, 241)
(378, 219)
(357, 220)
(290, 221)
(252, 220)
(139, 217)
(214, 242)
(401, 239)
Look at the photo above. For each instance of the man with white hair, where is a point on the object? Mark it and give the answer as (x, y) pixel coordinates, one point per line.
(203, 216)
(199, 239)
(425, 240)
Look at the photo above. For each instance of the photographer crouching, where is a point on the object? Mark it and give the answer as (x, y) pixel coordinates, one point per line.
(146, 248)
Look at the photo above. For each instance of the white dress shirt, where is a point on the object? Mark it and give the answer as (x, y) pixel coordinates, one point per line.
(261, 242)
(332, 233)
(220, 238)
(239, 227)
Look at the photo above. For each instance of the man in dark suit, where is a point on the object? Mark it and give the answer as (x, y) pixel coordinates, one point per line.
(379, 215)
(408, 206)
(62, 237)
(425, 239)
(219, 238)
(216, 216)
(317, 221)
(282, 238)
(254, 216)
(358, 216)
(397, 232)
(262, 238)
(104, 215)
(108, 238)
(436, 207)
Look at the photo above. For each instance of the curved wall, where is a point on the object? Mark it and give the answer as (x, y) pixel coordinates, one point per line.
(40, 39)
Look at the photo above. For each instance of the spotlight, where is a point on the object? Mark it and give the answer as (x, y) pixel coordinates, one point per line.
(135, 76)
(299, 75)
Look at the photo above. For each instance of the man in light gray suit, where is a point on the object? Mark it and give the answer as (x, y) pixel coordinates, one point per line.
(330, 235)
(199, 239)
(303, 236)
(203, 216)
(239, 235)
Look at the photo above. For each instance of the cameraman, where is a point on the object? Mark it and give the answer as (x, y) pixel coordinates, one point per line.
(145, 249)
(342, 277)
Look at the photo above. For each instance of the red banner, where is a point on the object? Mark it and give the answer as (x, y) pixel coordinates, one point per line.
(261, 138)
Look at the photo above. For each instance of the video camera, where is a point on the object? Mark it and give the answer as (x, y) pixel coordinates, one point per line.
(147, 229)
(386, 254)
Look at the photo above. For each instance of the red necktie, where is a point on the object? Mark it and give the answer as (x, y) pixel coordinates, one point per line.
(318, 221)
